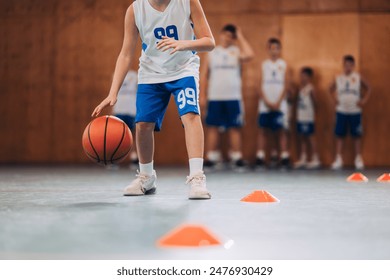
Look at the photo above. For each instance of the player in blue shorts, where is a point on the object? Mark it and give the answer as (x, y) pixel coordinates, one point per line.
(350, 93)
(171, 31)
(225, 112)
(125, 108)
(306, 121)
(273, 108)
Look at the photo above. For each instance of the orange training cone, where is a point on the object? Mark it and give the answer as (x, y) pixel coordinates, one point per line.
(357, 177)
(260, 196)
(188, 236)
(385, 178)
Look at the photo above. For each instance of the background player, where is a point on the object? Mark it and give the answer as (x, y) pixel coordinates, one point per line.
(350, 93)
(273, 108)
(125, 108)
(225, 111)
(168, 65)
(305, 120)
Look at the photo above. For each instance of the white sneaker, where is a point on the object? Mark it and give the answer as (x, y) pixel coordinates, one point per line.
(142, 185)
(338, 163)
(198, 188)
(300, 164)
(313, 164)
(359, 163)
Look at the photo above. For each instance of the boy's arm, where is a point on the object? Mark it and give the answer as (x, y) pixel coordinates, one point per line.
(205, 41)
(332, 91)
(123, 61)
(246, 51)
(313, 99)
(204, 76)
(286, 89)
(366, 93)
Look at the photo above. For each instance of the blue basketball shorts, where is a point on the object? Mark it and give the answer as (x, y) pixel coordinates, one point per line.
(152, 100)
(225, 114)
(272, 120)
(127, 119)
(348, 123)
(305, 128)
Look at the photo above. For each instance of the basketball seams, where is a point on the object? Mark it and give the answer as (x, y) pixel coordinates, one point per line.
(105, 141)
(121, 157)
(120, 143)
(90, 142)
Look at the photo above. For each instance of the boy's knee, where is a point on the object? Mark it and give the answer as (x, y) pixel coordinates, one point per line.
(190, 117)
(144, 126)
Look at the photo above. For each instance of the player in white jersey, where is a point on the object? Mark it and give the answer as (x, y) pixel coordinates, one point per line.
(306, 120)
(222, 69)
(172, 31)
(350, 93)
(273, 107)
(125, 108)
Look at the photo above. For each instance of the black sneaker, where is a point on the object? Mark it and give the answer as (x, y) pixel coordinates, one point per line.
(240, 165)
(260, 163)
(285, 163)
(209, 164)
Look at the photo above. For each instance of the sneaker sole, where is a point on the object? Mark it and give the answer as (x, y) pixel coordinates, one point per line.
(148, 192)
(200, 198)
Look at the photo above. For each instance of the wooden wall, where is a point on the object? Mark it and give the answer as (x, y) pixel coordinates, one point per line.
(57, 58)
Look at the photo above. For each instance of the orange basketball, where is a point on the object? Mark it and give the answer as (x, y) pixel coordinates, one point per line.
(107, 140)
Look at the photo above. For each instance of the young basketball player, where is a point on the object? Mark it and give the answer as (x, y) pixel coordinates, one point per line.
(273, 108)
(125, 108)
(225, 108)
(305, 120)
(350, 93)
(168, 65)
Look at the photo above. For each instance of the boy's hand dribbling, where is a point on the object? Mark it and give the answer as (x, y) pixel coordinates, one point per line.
(108, 101)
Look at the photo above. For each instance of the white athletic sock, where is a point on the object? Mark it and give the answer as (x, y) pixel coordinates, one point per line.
(196, 166)
(260, 154)
(285, 155)
(214, 156)
(146, 168)
(234, 156)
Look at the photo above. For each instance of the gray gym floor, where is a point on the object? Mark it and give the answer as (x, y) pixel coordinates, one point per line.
(80, 213)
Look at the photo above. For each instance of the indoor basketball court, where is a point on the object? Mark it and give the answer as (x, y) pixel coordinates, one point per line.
(282, 183)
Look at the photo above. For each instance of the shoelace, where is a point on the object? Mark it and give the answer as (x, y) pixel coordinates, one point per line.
(197, 179)
(142, 177)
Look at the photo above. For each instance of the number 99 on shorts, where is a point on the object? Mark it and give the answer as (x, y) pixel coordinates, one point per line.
(186, 96)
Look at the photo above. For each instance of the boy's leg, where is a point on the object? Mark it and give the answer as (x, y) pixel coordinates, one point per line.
(356, 132)
(213, 153)
(152, 102)
(145, 146)
(235, 152)
(340, 132)
(214, 120)
(235, 140)
(262, 138)
(194, 135)
(186, 94)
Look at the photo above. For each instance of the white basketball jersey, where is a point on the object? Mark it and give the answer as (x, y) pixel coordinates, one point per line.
(348, 93)
(305, 109)
(157, 66)
(225, 74)
(273, 83)
(125, 104)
